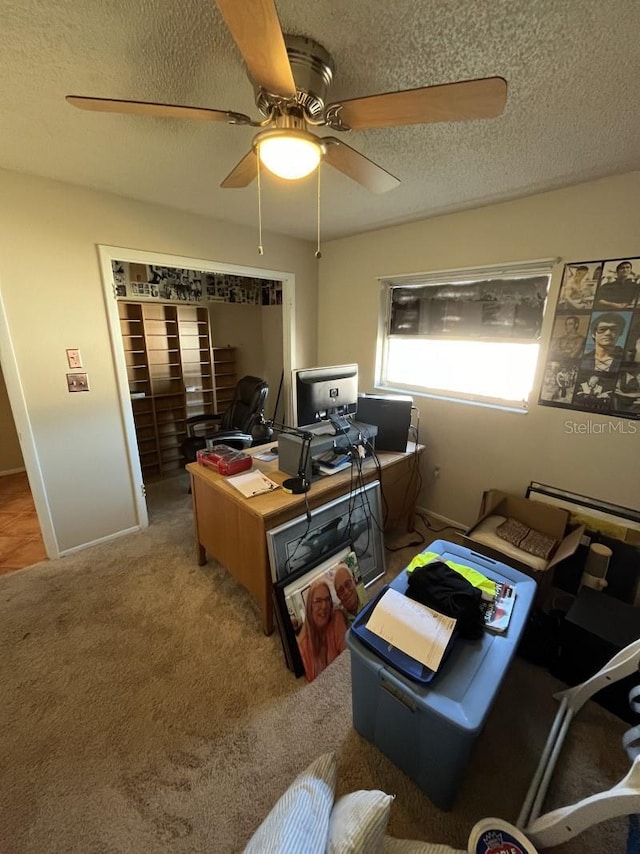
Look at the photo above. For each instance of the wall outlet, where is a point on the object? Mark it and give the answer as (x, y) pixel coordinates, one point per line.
(436, 472)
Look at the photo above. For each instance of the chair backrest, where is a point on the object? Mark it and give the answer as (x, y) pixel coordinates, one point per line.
(247, 405)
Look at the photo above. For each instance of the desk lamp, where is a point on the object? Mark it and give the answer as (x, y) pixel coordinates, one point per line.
(300, 484)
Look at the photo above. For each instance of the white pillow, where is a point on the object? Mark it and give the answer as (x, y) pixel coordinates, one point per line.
(358, 822)
(299, 821)
(413, 846)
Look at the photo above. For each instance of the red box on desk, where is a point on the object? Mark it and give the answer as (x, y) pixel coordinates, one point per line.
(224, 459)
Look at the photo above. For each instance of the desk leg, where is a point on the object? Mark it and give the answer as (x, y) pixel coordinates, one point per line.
(267, 616)
(236, 539)
(201, 551)
(399, 483)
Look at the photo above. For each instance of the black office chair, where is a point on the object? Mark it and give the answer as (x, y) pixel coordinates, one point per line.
(233, 427)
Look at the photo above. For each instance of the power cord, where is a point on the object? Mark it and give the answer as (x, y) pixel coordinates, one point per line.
(433, 529)
(413, 543)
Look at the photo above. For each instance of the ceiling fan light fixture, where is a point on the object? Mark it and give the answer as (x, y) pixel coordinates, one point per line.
(289, 153)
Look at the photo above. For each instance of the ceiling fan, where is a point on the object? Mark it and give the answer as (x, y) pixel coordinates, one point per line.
(292, 76)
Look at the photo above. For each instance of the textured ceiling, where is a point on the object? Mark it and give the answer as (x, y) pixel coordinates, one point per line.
(572, 114)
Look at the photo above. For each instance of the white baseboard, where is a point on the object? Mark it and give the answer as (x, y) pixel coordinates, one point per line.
(12, 471)
(99, 541)
(450, 523)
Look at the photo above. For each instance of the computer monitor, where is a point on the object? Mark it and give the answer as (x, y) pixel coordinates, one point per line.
(323, 392)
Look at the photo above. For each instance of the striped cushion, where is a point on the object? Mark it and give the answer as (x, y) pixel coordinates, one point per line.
(413, 846)
(358, 822)
(299, 822)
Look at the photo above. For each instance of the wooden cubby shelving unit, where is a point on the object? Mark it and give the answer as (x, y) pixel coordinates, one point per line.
(170, 370)
(224, 376)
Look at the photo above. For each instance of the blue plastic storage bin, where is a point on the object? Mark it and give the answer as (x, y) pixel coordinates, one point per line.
(428, 731)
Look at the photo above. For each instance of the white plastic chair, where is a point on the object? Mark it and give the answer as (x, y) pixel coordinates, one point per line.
(562, 824)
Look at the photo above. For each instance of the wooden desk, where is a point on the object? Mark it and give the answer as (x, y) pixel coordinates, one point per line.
(232, 529)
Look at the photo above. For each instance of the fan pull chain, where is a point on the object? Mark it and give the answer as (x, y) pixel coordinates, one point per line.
(260, 247)
(318, 252)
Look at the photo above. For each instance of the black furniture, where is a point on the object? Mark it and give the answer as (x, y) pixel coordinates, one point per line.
(596, 627)
(234, 426)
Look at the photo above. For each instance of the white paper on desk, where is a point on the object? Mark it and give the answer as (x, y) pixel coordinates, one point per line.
(252, 483)
(413, 628)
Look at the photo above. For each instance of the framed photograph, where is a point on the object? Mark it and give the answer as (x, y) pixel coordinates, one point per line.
(623, 523)
(617, 528)
(315, 607)
(355, 518)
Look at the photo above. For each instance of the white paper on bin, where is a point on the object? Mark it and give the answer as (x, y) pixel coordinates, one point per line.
(412, 627)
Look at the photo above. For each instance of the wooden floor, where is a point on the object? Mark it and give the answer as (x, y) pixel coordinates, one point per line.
(21, 542)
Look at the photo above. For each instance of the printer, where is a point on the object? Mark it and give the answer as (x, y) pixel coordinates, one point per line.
(290, 446)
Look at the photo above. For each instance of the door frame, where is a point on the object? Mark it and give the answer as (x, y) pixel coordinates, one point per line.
(106, 255)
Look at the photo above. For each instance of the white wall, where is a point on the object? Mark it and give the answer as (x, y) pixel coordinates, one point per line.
(52, 293)
(478, 448)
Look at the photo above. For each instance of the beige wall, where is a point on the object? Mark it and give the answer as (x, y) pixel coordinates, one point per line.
(475, 447)
(10, 453)
(257, 333)
(53, 298)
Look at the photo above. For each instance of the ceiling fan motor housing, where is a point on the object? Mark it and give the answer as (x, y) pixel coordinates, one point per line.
(312, 68)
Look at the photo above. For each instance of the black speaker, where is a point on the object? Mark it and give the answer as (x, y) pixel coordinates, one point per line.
(391, 414)
(597, 627)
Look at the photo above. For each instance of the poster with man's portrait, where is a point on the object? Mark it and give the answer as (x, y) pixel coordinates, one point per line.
(594, 344)
(627, 392)
(569, 336)
(579, 283)
(559, 382)
(619, 285)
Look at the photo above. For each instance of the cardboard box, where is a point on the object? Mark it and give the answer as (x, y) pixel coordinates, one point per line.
(541, 517)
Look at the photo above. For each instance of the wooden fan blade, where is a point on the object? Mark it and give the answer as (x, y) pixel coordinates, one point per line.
(161, 111)
(451, 102)
(243, 172)
(256, 31)
(358, 167)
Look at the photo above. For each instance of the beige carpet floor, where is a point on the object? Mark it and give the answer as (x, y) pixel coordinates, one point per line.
(143, 710)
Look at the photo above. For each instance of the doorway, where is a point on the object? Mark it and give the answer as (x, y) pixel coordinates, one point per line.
(151, 279)
(21, 542)
(16, 410)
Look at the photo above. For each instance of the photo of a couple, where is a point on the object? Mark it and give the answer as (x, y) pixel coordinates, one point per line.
(318, 607)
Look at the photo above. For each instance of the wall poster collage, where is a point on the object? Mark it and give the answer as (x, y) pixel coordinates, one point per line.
(167, 284)
(593, 361)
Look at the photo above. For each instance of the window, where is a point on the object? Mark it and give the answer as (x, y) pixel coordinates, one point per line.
(468, 335)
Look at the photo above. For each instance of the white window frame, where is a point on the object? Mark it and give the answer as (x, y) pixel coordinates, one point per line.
(540, 267)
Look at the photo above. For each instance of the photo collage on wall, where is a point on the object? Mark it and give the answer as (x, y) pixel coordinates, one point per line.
(167, 284)
(593, 361)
